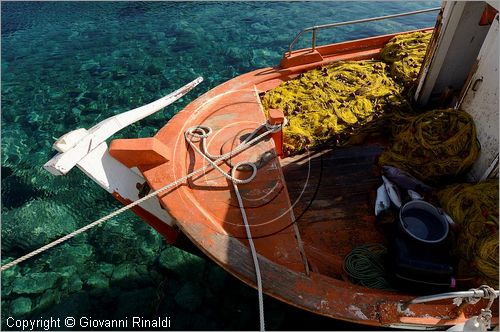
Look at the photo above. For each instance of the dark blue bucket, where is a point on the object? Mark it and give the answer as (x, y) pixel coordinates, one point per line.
(423, 222)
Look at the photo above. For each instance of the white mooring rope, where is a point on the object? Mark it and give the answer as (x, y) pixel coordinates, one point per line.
(201, 132)
(250, 241)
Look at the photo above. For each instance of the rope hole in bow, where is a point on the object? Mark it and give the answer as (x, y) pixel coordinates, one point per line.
(240, 167)
(199, 131)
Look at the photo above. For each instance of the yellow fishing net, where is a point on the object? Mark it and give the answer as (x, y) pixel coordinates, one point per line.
(434, 146)
(474, 207)
(333, 101)
(405, 54)
(338, 102)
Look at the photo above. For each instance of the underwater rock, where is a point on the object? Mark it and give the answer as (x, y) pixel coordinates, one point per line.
(142, 270)
(106, 269)
(139, 301)
(6, 172)
(133, 9)
(209, 295)
(34, 225)
(182, 263)
(259, 27)
(67, 271)
(183, 45)
(8, 277)
(84, 102)
(20, 306)
(91, 95)
(172, 286)
(76, 305)
(150, 244)
(127, 240)
(190, 296)
(35, 283)
(74, 284)
(76, 112)
(216, 277)
(74, 94)
(5, 312)
(38, 266)
(38, 177)
(67, 254)
(237, 314)
(93, 106)
(56, 95)
(15, 192)
(191, 321)
(48, 298)
(234, 54)
(119, 74)
(153, 70)
(155, 276)
(90, 65)
(74, 255)
(130, 275)
(166, 306)
(6, 289)
(124, 271)
(98, 281)
(264, 57)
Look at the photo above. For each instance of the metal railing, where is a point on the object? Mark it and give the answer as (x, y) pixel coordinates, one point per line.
(316, 28)
(476, 293)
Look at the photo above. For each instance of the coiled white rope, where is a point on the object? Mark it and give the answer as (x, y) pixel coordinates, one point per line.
(201, 132)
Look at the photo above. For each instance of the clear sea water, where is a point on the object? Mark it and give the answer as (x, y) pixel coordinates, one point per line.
(68, 65)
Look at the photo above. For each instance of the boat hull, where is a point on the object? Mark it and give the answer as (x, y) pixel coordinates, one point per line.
(200, 206)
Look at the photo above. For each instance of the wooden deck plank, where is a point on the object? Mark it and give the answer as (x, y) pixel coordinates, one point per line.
(335, 209)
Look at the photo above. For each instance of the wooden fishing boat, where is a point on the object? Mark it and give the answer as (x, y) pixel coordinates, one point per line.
(304, 213)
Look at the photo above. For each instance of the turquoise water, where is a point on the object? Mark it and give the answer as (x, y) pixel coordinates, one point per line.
(70, 65)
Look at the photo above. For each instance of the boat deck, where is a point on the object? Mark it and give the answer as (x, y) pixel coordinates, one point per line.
(333, 193)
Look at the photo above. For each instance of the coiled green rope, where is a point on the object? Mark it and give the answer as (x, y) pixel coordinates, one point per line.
(365, 266)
